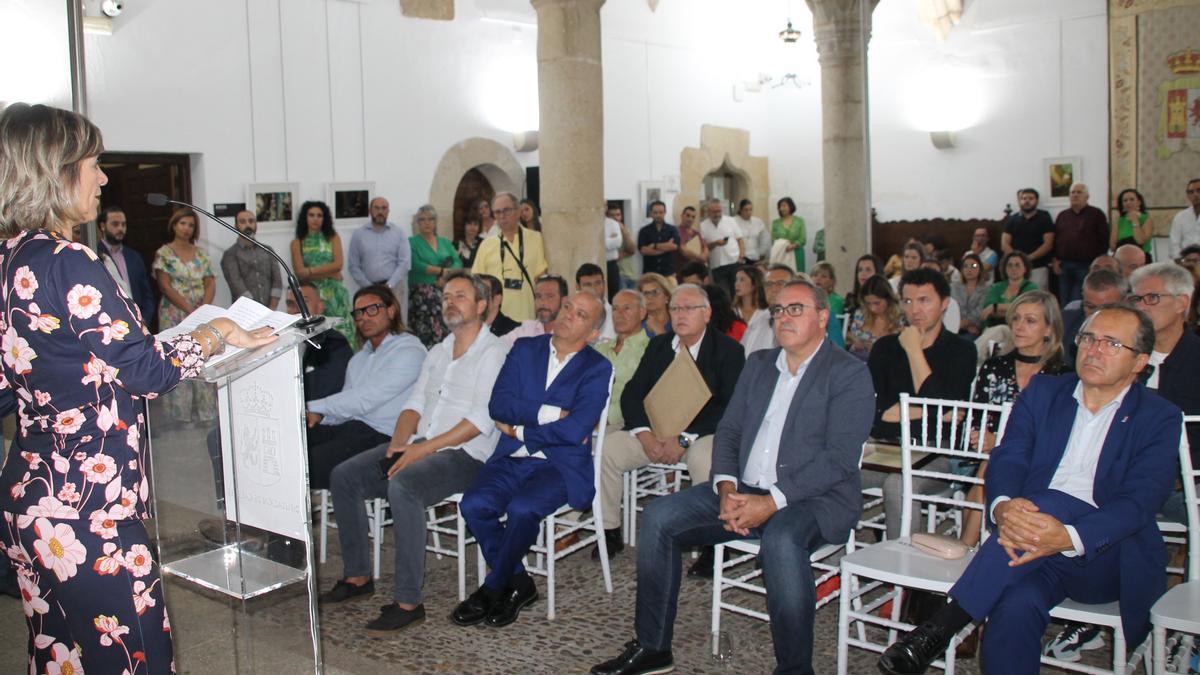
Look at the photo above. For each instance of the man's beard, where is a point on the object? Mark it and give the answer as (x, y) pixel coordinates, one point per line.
(113, 240)
(453, 321)
(253, 234)
(545, 317)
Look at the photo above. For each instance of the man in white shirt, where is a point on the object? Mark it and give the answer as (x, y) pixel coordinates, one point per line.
(1185, 228)
(1073, 505)
(755, 234)
(442, 438)
(613, 240)
(726, 247)
(785, 471)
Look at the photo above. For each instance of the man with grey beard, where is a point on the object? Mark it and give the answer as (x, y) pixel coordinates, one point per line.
(442, 438)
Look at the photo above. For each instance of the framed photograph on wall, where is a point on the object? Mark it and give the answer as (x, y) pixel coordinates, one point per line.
(650, 191)
(1058, 174)
(273, 203)
(350, 202)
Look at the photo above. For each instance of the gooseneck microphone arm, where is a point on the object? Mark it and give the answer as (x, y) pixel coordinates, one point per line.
(307, 320)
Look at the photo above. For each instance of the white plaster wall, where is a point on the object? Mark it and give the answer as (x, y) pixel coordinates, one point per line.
(314, 91)
(1022, 80)
(34, 52)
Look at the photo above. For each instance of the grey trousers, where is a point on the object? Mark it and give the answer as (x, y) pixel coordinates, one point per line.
(409, 492)
(893, 500)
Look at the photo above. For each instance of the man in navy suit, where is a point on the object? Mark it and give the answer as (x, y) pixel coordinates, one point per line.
(785, 470)
(547, 399)
(111, 223)
(1074, 505)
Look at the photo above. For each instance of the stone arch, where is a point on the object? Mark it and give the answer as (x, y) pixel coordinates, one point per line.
(728, 148)
(495, 161)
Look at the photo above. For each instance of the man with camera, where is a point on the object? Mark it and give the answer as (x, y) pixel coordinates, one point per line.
(516, 257)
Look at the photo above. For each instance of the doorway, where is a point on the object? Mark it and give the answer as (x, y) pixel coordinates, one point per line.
(727, 184)
(132, 176)
(472, 188)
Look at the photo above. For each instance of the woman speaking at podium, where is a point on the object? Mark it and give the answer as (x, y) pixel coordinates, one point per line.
(79, 361)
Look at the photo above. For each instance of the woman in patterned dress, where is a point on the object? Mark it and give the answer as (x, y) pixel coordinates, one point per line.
(72, 490)
(317, 257)
(185, 276)
(878, 314)
(433, 257)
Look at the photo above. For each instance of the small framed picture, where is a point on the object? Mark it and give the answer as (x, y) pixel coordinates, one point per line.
(273, 203)
(651, 191)
(1060, 173)
(351, 202)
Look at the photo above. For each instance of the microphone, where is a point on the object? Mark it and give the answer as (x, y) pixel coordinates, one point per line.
(307, 320)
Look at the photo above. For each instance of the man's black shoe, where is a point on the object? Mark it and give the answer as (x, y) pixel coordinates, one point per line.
(612, 543)
(521, 593)
(393, 617)
(703, 567)
(637, 660)
(475, 608)
(344, 590)
(912, 654)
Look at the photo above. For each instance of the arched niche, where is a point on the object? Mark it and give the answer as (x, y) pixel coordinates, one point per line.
(723, 150)
(490, 158)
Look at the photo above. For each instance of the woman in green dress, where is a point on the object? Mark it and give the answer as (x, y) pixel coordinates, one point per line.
(432, 258)
(1016, 269)
(317, 257)
(185, 276)
(791, 227)
(1133, 226)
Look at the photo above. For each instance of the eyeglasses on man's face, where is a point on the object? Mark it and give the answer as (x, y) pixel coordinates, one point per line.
(504, 211)
(681, 309)
(794, 309)
(369, 310)
(1150, 299)
(1106, 346)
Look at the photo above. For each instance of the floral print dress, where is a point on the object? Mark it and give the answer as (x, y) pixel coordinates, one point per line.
(79, 363)
(316, 250)
(187, 277)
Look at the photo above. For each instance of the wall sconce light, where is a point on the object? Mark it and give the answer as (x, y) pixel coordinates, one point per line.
(526, 141)
(942, 140)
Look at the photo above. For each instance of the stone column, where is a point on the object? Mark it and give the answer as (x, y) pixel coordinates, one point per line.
(571, 133)
(841, 29)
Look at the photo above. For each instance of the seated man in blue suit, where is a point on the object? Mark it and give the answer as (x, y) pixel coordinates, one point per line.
(785, 470)
(1074, 505)
(547, 399)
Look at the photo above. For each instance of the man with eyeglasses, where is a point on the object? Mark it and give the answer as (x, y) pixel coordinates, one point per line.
(1185, 228)
(778, 276)
(926, 360)
(516, 257)
(785, 471)
(379, 379)
(548, 294)
(1072, 491)
(380, 253)
(719, 358)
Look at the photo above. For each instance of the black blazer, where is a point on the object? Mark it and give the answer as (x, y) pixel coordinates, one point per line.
(1177, 382)
(720, 362)
(325, 368)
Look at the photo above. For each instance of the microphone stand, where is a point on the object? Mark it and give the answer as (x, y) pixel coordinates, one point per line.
(307, 321)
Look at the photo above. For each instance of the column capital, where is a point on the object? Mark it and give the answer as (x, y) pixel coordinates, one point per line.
(593, 5)
(838, 30)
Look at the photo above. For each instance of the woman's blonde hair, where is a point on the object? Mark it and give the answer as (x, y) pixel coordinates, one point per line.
(40, 151)
(1050, 312)
(667, 285)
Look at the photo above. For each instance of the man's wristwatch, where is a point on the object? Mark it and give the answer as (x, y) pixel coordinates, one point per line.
(684, 441)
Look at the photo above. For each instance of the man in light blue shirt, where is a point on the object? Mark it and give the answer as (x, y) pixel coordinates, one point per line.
(379, 380)
(380, 254)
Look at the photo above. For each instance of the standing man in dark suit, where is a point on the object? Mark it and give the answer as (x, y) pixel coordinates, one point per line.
(1072, 493)
(111, 223)
(719, 359)
(785, 470)
(547, 399)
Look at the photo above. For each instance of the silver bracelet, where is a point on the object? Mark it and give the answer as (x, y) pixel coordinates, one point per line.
(220, 339)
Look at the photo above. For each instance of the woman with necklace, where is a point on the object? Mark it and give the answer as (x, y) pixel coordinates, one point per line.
(1037, 328)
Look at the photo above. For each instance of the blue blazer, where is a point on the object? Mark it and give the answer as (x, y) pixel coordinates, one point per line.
(581, 388)
(139, 281)
(1136, 471)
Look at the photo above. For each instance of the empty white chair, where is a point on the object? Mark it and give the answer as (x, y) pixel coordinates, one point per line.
(1179, 609)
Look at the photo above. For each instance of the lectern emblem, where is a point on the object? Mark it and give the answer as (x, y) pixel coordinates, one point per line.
(257, 432)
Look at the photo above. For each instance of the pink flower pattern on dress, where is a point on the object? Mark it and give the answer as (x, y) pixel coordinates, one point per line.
(77, 475)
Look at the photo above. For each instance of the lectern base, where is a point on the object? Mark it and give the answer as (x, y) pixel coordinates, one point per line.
(220, 571)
